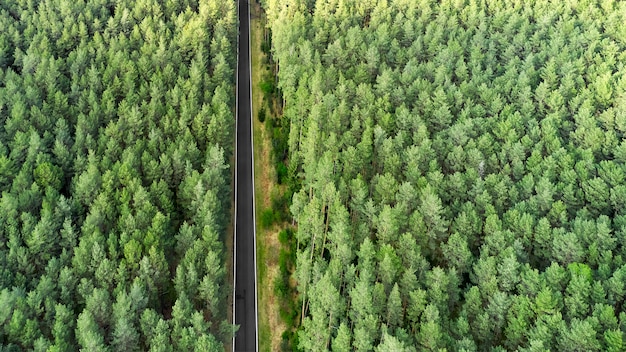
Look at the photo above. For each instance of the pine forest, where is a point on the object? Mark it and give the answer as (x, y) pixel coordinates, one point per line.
(461, 168)
(116, 133)
(450, 175)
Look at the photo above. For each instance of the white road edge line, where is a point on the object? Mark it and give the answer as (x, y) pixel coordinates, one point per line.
(256, 312)
(235, 151)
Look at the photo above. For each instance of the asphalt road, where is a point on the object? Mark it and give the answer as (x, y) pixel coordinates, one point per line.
(245, 262)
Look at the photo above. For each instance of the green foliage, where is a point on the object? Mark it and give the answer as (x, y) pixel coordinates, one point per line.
(280, 205)
(283, 288)
(116, 129)
(281, 173)
(48, 175)
(456, 171)
(289, 340)
(268, 86)
(267, 218)
(285, 236)
(266, 45)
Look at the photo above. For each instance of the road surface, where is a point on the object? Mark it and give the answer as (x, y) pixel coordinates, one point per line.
(245, 248)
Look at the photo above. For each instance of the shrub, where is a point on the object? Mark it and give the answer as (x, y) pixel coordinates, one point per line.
(267, 218)
(285, 236)
(280, 205)
(281, 172)
(266, 46)
(284, 263)
(281, 287)
(268, 87)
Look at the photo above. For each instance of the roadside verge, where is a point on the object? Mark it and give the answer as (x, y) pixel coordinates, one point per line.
(271, 327)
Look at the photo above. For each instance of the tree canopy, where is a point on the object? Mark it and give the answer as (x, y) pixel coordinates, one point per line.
(462, 172)
(116, 135)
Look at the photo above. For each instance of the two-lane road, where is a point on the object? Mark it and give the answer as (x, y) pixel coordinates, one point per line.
(245, 246)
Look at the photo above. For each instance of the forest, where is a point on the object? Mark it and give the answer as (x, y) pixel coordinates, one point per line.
(460, 168)
(116, 139)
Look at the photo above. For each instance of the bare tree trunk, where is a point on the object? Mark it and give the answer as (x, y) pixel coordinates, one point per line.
(325, 229)
(304, 300)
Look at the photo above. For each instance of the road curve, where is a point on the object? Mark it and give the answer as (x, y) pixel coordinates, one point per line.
(245, 306)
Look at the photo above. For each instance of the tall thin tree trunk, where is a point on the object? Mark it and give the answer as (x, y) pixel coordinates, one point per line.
(325, 229)
(304, 300)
